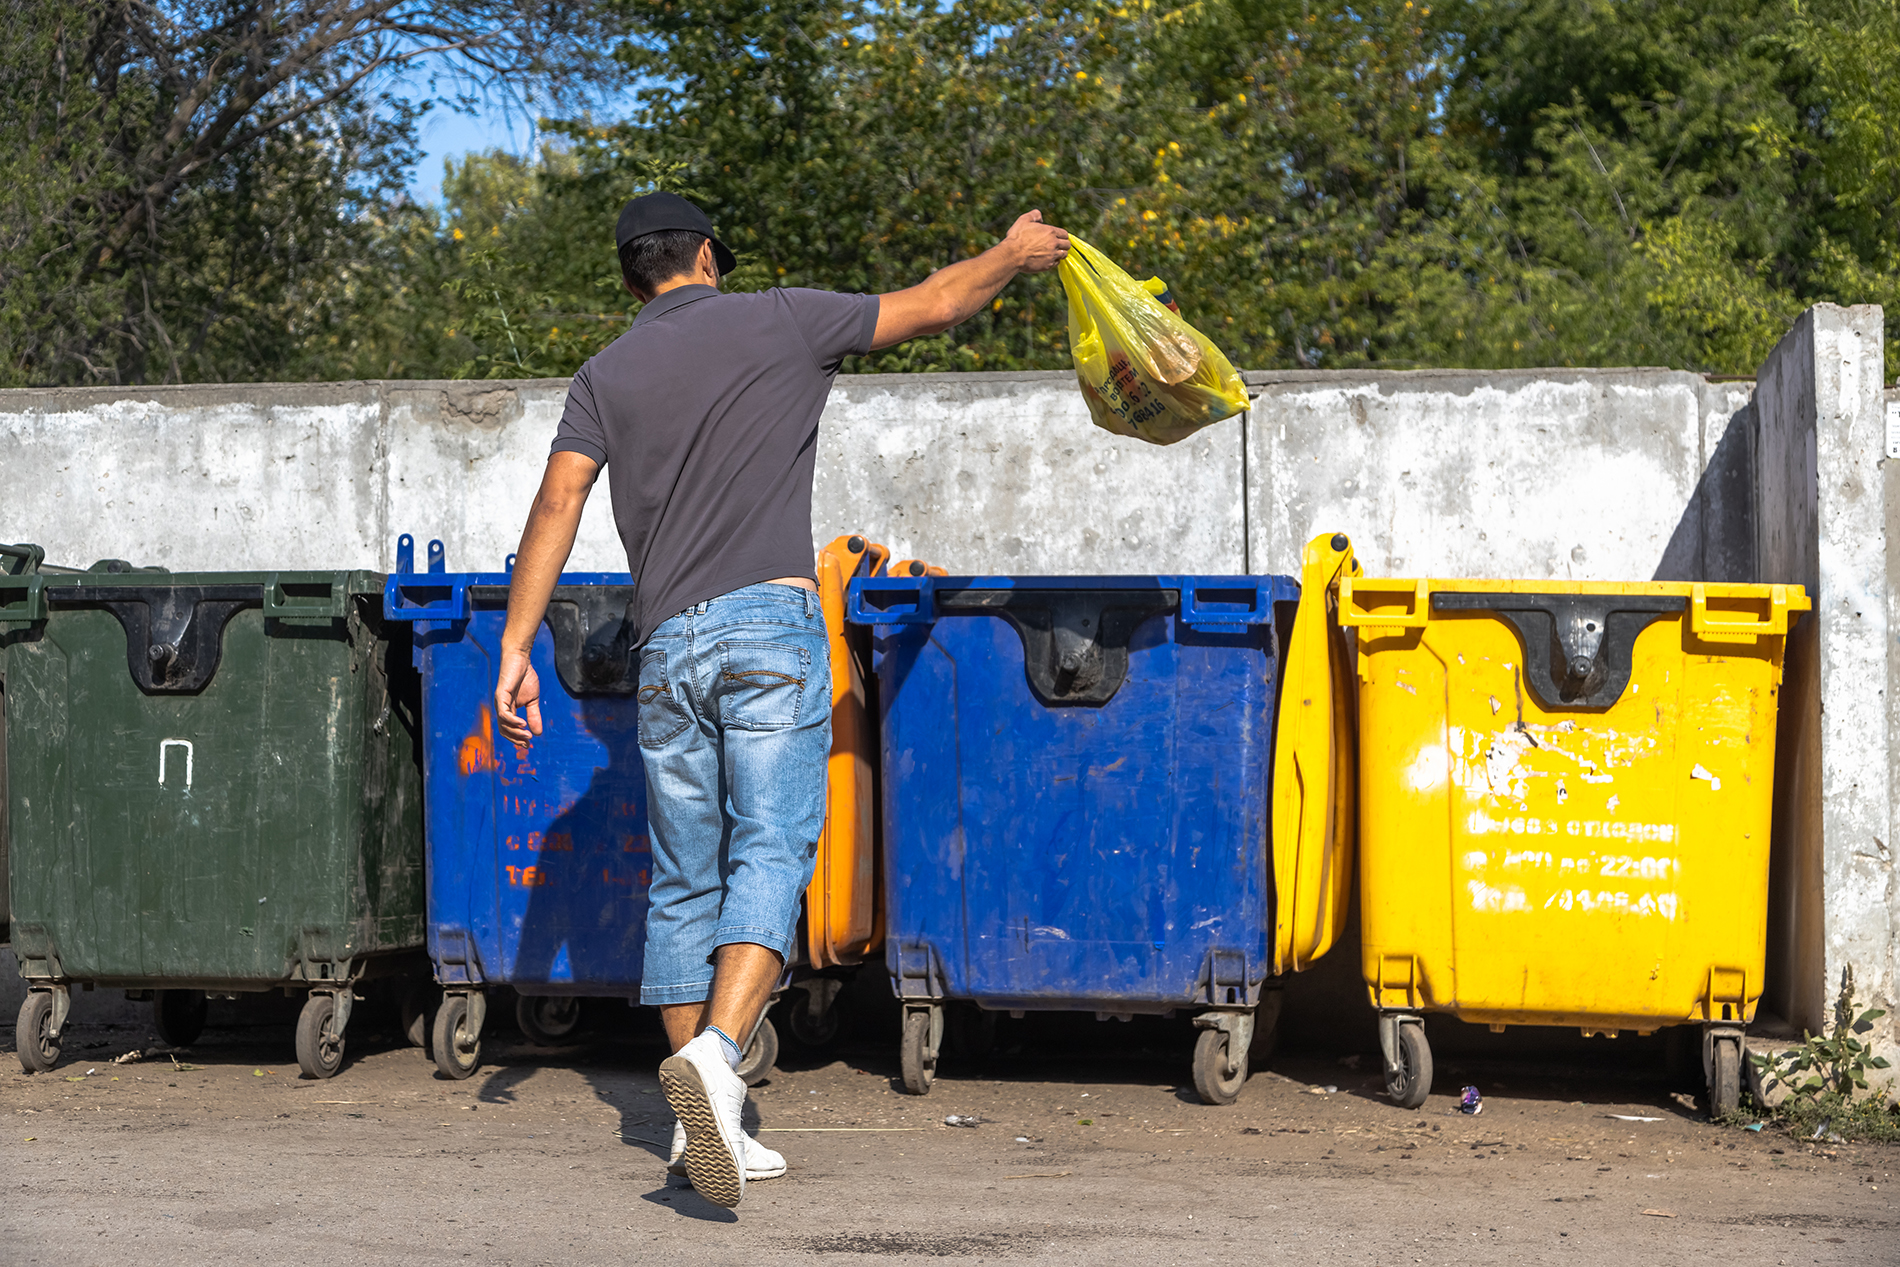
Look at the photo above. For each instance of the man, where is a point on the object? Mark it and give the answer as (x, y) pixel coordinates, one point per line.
(705, 413)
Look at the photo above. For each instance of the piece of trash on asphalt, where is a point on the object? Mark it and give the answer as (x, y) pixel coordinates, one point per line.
(1331, 1089)
(1046, 1174)
(1753, 1126)
(130, 1058)
(1470, 1102)
(958, 1119)
(257, 1073)
(1659, 1214)
(1631, 1117)
(641, 1139)
(1022, 1139)
(31, 1138)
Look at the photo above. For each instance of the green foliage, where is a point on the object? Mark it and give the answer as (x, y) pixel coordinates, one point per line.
(1472, 183)
(1826, 1077)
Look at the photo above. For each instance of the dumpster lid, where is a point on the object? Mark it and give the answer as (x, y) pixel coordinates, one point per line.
(1313, 763)
(1075, 630)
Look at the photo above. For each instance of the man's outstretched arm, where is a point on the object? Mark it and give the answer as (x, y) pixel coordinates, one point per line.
(953, 294)
(545, 544)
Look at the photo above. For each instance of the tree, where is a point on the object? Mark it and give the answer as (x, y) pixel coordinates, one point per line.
(142, 141)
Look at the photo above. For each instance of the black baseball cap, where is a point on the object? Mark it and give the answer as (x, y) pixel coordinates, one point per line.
(656, 213)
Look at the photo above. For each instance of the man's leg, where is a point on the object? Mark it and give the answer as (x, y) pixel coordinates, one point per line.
(769, 689)
(679, 744)
(743, 977)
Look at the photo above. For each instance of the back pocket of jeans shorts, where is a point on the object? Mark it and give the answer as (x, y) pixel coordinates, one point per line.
(662, 713)
(761, 684)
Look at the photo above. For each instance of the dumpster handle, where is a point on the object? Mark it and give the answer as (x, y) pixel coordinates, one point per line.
(904, 600)
(423, 596)
(280, 602)
(29, 607)
(1258, 595)
(1726, 629)
(1417, 618)
(30, 557)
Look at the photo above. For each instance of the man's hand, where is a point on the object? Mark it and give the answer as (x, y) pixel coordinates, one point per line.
(952, 294)
(518, 700)
(1040, 247)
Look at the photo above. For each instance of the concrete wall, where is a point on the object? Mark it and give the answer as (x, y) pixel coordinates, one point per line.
(1577, 474)
(1542, 474)
(1827, 507)
(989, 472)
(1599, 474)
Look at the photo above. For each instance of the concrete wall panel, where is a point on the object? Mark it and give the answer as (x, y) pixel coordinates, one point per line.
(1823, 517)
(989, 473)
(1545, 474)
(194, 478)
(464, 462)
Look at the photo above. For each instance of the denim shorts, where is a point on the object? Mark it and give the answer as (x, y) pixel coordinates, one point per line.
(735, 731)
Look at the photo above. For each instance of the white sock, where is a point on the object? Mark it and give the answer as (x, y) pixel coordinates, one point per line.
(727, 1048)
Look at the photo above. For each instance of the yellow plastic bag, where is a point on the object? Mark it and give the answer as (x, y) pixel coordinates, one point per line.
(1144, 371)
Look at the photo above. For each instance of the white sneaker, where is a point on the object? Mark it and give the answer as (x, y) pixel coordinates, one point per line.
(760, 1161)
(708, 1098)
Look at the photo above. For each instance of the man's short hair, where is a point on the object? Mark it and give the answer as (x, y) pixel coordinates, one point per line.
(648, 260)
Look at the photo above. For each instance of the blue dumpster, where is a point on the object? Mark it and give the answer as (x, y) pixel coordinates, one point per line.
(1076, 798)
(537, 868)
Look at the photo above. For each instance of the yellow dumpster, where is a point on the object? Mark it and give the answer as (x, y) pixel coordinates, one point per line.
(1564, 802)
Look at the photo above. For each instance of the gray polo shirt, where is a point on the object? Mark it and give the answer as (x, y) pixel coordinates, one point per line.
(705, 414)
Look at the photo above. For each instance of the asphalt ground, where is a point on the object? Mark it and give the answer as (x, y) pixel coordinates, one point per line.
(1090, 1148)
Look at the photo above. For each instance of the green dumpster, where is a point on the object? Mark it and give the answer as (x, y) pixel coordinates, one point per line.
(213, 788)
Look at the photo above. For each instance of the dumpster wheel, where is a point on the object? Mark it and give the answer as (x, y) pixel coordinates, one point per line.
(457, 1040)
(547, 1021)
(1213, 1081)
(1411, 1081)
(918, 1061)
(419, 1002)
(755, 1066)
(38, 1046)
(179, 1016)
(319, 1042)
(1725, 1076)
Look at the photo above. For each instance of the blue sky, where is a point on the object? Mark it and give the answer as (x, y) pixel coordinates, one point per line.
(446, 134)
(496, 124)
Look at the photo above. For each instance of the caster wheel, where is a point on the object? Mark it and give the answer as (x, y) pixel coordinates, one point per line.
(418, 1003)
(755, 1065)
(1413, 1082)
(179, 1016)
(458, 1053)
(319, 1046)
(809, 1032)
(1211, 1079)
(1266, 1028)
(918, 1073)
(1725, 1078)
(970, 1033)
(547, 1022)
(38, 1049)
